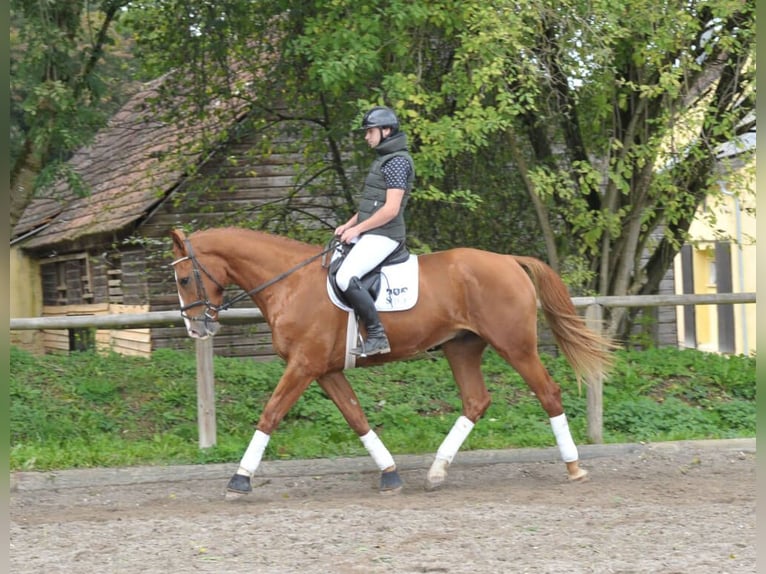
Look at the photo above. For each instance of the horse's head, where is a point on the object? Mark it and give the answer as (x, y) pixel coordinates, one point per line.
(199, 292)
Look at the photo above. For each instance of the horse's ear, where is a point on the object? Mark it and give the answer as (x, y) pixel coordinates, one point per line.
(179, 248)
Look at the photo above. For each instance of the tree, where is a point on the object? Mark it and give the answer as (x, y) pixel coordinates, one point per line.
(62, 88)
(607, 115)
(642, 114)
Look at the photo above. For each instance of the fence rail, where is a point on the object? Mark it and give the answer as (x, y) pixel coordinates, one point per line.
(233, 316)
(206, 421)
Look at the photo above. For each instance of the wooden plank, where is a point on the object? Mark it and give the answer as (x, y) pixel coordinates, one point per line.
(84, 309)
(103, 341)
(64, 258)
(121, 308)
(142, 336)
(274, 159)
(56, 341)
(135, 347)
(103, 336)
(258, 171)
(130, 352)
(268, 183)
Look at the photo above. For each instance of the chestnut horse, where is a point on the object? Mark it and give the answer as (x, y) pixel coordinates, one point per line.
(468, 299)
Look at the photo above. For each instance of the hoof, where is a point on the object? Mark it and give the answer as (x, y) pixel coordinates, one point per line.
(437, 475)
(229, 495)
(432, 485)
(238, 485)
(390, 482)
(580, 476)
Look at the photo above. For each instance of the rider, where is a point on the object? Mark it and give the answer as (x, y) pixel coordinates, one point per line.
(377, 228)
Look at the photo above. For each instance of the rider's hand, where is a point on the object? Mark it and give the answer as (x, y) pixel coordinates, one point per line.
(349, 235)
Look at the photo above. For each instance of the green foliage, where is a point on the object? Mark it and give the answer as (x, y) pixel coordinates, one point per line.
(617, 113)
(645, 418)
(87, 409)
(69, 73)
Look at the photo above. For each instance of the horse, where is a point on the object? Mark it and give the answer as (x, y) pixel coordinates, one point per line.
(468, 299)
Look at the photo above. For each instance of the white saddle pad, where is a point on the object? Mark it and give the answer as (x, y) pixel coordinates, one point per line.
(398, 287)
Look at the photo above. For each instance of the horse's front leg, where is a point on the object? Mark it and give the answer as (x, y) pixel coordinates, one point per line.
(291, 386)
(339, 390)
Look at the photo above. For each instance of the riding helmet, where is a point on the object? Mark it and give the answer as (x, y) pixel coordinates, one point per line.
(381, 117)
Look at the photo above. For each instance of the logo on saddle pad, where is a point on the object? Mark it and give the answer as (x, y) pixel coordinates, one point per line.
(394, 286)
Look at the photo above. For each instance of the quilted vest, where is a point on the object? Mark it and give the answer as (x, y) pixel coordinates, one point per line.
(374, 191)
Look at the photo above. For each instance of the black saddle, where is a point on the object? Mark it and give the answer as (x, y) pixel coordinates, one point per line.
(371, 281)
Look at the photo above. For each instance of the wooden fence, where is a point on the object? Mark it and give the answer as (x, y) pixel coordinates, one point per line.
(206, 418)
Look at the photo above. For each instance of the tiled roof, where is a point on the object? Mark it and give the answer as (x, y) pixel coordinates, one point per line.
(128, 168)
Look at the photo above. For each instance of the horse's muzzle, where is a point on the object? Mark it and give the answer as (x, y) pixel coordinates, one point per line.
(202, 328)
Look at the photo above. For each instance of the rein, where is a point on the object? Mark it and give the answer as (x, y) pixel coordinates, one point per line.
(228, 303)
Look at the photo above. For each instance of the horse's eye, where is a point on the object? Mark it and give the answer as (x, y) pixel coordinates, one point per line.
(183, 281)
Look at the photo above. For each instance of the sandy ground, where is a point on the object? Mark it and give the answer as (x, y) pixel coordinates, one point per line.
(686, 508)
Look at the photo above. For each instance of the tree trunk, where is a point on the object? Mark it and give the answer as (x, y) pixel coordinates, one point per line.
(22, 184)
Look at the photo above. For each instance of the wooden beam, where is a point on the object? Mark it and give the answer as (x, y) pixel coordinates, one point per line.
(206, 423)
(121, 321)
(594, 391)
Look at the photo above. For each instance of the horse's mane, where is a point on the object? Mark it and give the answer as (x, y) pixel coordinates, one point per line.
(277, 241)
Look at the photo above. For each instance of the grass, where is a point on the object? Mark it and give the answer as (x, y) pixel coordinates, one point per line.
(91, 410)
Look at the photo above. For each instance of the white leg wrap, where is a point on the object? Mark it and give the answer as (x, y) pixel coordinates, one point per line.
(377, 450)
(567, 446)
(454, 440)
(252, 458)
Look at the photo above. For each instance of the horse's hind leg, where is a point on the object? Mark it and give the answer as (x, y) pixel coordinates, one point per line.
(464, 357)
(527, 363)
(337, 387)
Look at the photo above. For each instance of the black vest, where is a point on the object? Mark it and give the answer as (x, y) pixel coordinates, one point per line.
(374, 191)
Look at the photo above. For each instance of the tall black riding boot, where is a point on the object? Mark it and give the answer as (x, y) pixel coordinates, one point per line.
(364, 305)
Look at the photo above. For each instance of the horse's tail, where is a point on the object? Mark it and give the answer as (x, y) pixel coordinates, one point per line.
(587, 351)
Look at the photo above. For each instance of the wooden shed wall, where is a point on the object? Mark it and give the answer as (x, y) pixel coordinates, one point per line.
(123, 341)
(89, 283)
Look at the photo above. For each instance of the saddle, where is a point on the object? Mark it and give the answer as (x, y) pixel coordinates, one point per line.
(393, 284)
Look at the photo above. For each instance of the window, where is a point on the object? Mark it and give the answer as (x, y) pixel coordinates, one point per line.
(712, 273)
(67, 280)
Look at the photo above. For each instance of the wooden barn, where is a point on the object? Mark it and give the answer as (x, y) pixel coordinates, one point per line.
(109, 252)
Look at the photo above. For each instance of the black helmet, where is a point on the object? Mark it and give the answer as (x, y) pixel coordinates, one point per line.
(381, 117)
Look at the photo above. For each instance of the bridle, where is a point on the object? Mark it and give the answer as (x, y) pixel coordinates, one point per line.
(202, 299)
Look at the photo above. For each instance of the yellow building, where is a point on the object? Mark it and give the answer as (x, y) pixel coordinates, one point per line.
(720, 257)
(25, 297)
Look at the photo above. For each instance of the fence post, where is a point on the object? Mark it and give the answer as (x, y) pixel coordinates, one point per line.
(205, 393)
(594, 319)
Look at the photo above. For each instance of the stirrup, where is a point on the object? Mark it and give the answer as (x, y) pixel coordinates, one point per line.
(372, 347)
